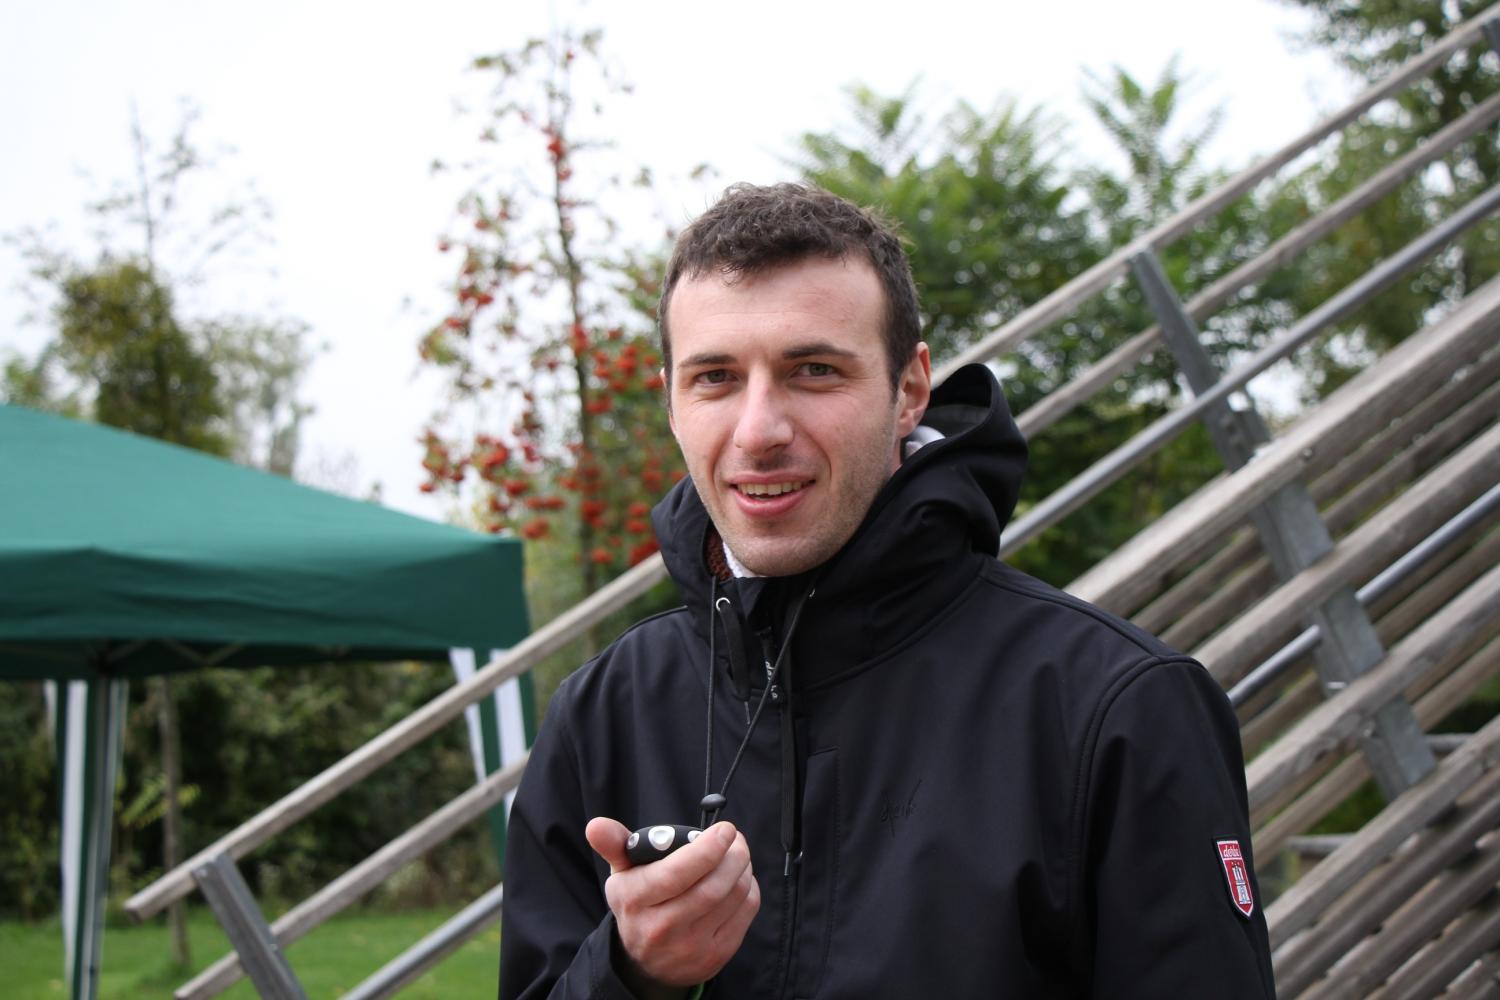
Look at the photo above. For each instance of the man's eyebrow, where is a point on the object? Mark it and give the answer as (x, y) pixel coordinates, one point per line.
(812, 349)
(706, 358)
(817, 348)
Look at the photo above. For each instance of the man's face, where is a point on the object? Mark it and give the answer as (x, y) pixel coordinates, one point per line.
(781, 403)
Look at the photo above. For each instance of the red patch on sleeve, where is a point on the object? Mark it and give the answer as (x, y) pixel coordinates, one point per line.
(1232, 859)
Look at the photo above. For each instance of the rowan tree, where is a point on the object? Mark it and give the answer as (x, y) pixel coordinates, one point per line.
(554, 427)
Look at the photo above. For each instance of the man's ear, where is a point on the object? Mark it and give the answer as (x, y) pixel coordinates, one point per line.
(913, 391)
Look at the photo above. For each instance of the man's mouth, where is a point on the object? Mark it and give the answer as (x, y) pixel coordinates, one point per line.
(768, 490)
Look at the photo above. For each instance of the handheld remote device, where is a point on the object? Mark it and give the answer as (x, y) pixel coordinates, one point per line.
(652, 843)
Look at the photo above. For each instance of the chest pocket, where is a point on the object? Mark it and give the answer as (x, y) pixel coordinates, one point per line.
(818, 880)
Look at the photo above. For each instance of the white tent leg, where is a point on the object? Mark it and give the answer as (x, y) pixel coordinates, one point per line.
(89, 721)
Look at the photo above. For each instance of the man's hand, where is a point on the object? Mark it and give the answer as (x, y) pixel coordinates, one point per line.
(680, 919)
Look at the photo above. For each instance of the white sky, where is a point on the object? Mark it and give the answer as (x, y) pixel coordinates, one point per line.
(335, 109)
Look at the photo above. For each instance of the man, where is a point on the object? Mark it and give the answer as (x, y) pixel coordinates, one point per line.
(937, 776)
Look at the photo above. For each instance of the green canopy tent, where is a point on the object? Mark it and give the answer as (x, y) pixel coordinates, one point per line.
(122, 557)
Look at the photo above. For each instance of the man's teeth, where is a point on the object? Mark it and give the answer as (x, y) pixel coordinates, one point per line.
(769, 489)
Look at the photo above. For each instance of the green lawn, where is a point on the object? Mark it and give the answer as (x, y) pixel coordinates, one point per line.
(329, 961)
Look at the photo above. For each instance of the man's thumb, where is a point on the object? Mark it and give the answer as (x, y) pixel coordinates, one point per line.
(607, 838)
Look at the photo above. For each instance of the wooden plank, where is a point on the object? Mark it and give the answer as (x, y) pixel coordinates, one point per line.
(1477, 667)
(1234, 551)
(1359, 409)
(1301, 904)
(1298, 695)
(365, 876)
(1310, 805)
(1346, 302)
(1417, 608)
(1333, 725)
(1431, 970)
(1250, 587)
(1453, 410)
(1411, 919)
(1409, 430)
(405, 734)
(1480, 981)
(1363, 910)
(1405, 463)
(1358, 556)
(1211, 612)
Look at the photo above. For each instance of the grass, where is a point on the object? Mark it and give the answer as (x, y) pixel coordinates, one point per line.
(330, 961)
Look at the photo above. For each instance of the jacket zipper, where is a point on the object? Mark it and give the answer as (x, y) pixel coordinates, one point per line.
(791, 875)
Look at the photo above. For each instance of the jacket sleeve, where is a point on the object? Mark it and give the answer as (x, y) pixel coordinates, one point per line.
(1168, 872)
(556, 931)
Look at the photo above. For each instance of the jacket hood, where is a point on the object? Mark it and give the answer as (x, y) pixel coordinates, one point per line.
(930, 526)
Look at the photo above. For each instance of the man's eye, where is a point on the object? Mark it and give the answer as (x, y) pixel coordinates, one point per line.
(818, 368)
(716, 376)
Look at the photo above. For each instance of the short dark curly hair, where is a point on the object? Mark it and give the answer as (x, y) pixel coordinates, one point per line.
(754, 229)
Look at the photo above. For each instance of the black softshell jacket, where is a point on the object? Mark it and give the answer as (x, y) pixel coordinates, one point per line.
(968, 784)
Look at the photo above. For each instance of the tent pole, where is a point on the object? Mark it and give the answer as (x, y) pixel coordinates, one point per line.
(91, 719)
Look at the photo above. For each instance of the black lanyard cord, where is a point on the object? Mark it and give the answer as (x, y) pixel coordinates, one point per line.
(713, 804)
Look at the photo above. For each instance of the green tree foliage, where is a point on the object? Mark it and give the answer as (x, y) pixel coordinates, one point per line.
(985, 210)
(28, 822)
(118, 338)
(1372, 39)
(995, 221)
(251, 736)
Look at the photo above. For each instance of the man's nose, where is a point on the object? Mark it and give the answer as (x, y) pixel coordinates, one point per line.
(764, 424)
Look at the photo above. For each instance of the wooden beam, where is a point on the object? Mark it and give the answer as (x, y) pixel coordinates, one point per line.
(1413, 919)
(1343, 778)
(1334, 725)
(1300, 905)
(1359, 409)
(1429, 971)
(1390, 888)
(1357, 557)
(1439, 423)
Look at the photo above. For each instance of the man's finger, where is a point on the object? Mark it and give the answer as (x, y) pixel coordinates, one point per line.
(736, 921)
(607, 837)
(684, 868)
(734, 902)
(687, 866)
(708, 894)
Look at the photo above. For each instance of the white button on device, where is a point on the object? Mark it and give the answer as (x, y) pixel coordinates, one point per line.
(635, 838)
(661, 837)
(693, 835)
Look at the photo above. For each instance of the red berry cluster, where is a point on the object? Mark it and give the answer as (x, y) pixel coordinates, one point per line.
(581, 448)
